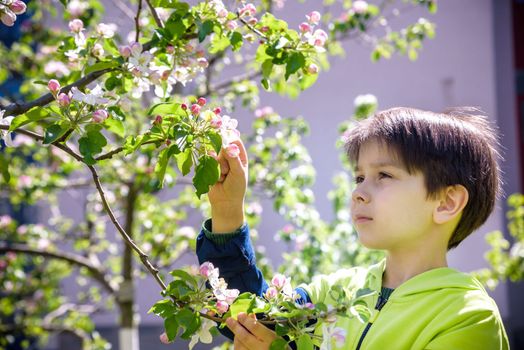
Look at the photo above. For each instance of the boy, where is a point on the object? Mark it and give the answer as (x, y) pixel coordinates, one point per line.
(424, 182)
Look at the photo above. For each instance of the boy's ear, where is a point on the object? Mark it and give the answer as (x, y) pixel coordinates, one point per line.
(453, 199)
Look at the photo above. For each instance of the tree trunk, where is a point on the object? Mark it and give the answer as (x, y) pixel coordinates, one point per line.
(128, 332)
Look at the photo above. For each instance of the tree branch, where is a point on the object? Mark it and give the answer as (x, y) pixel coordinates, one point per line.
(158, 21)
(74, 259)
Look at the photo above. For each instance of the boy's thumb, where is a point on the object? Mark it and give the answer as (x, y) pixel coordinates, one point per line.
(232, 152)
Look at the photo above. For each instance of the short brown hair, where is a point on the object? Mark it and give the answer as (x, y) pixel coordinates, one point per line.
(456, 147)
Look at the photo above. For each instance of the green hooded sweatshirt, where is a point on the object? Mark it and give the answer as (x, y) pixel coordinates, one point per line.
(440, 309)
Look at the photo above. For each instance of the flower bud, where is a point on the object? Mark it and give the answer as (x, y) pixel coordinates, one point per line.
(231, 25)
(232, 150)
(202, 62)
(164, 339)
(183, 106)
(222, 306)
(54, 86)
(98, 50)
(158, 120)
(360, 7)
(304, 27)
(195, 109)
(271, 293)
(125, 51)
(63, 100)
(201, 101)
(264, 29)
(279, 281)
(99, 116)
(200, 53)
(312, 69)
(18, 7)
(253, 21)
(216, 122)
(217, 110)
(168, 142)
(205, 269)
(222, 13)
(8, 18)
(76, 25)
(170, 49)
(313, 17)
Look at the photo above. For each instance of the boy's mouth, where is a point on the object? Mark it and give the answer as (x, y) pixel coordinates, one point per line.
(359, 219)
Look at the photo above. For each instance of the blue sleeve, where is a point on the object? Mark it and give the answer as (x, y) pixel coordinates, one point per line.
(235, 259)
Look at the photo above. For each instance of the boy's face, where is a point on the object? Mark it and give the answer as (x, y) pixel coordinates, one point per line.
(389, 207)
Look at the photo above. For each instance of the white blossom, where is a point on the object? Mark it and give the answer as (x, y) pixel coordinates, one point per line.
(5, 134)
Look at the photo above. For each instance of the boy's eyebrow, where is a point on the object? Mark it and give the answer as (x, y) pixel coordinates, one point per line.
(383, 164)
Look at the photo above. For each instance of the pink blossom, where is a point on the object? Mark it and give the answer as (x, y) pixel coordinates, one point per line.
(200, 53)
(313, 17)
(125, 51)
(312, 69)
(304, 27)
(231, 25)
(195, 109)
(53, 86)
(183, 106)
(339, 335)
(76, 25)
(264, 111)
(271, 293)
(264, 29)
(279, 281)
(158, 120)
(189, 48)
(360, 7)
(287, 229)
(217, 110)
(222, 306)
(216, 122)
(232, 150)
(5, 220)
(8, 18)
(206, 268)
(99, 116)
(18, 7)
(309, 306)
(63, 100)
(319, 38)
(248, 9)
(170, 49)
(201, 101)
(252, 21)
(231, 295)
(164, 339)
(222, 13)
(202, 62)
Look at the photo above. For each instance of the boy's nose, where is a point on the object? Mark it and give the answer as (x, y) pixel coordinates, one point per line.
(359, 195)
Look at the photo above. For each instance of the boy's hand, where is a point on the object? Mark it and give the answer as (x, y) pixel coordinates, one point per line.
(227, 195)
(250, 334)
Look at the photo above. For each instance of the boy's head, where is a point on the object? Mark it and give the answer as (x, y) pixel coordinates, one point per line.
(457, 147)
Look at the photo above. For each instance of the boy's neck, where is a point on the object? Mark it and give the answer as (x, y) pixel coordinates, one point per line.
(402, 267)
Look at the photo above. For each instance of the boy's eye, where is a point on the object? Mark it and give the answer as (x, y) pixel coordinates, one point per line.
(359, 179)
(383, 175)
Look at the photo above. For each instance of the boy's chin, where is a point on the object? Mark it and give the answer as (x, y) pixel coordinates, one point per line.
(370, 243)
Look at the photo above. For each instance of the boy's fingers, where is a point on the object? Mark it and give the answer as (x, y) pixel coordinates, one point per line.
(242, 335)
(237, 345)
(258, 329)
(236, 156)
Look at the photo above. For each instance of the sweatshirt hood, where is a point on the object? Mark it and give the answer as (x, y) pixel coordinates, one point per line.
(428, 281)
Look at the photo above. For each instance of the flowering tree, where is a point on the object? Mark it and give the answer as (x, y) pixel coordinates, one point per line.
(116, 119)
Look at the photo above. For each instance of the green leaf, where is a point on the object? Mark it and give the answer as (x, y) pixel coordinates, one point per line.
(207, 173)
(236, 41)
(101, 65)
(216, 140)
(171, 326)
(132, 143)
(116, 126)
(266, 84)
(179, 289)
(116, 113)
(4, 168)
(184, 276)
(90, 144)
(179, 6)
(176, 27)
(163, 308)
(219, 43)
(204, 30)
(240, 305)
(278, 344)
(267, 68)
(307, 80)
(189, 320)
(165, 108)
(33, 115)
(296, 61)
(163, 161)
(112, 82)
(184, 161)
(304, 342)
(55, 131)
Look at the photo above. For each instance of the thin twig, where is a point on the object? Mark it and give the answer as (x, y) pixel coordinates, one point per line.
(137, 21)
(158, 21)
(74, 259)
